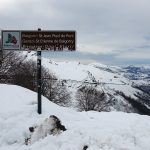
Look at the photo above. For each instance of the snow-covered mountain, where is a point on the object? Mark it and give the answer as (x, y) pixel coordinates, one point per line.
(96, 130)
(138, 72)
(129, 94)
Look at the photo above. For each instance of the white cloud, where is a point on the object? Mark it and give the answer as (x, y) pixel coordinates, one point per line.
(136, 55)
(103, 26)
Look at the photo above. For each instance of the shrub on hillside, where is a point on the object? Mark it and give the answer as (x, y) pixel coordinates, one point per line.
(89, 98)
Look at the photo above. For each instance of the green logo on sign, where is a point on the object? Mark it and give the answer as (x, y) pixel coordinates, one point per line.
(11, 39)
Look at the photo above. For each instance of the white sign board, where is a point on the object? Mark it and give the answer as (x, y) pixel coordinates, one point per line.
(11, 40)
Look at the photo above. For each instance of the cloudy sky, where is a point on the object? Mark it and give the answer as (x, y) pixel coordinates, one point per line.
(108, 31)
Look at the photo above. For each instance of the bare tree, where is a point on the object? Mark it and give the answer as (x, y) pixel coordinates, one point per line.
(9, 64)
(55, 90)
(89, 98)
(25, 75)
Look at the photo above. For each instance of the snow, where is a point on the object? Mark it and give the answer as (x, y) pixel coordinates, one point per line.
(79, 72)
(69, 70)
(107, 78)
(97, 130)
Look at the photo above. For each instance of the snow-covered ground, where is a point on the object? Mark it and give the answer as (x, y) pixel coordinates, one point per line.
(97, 130)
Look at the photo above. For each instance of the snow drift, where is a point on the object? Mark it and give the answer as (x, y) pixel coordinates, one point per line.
(99, 131)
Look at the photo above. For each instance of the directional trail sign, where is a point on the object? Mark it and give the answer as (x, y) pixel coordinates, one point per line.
(48, 40)
(34, 40)
(38, 41)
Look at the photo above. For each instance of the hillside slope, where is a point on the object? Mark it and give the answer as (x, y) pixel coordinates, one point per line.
(99, 131)
(111, 80)
(128, 94)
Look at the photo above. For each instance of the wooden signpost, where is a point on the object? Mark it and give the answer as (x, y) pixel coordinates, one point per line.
(38, 41)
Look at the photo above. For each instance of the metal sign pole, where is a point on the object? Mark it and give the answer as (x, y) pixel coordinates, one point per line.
(1, 50)
(1, 53)
(39, 80)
